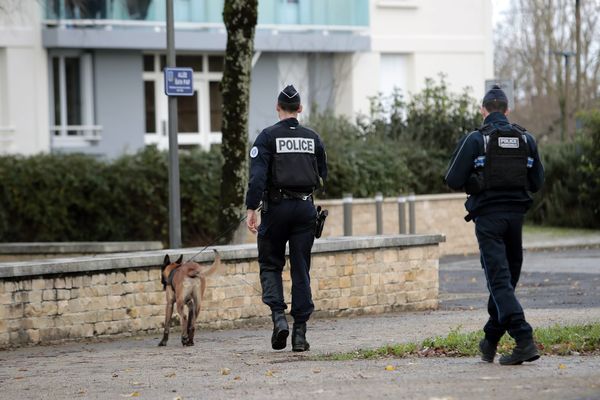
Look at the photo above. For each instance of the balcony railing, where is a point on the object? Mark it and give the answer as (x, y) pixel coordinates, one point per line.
(75, 135)
(310, 14)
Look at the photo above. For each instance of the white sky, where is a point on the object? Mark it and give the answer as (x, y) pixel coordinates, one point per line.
(499, 6)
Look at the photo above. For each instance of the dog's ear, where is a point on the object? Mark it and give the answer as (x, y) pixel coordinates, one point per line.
(167, 260)
(179, 260)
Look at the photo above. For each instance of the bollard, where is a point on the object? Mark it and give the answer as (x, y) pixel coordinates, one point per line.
(379, 212)
(402, 214)
(347, 214)
(412, 229)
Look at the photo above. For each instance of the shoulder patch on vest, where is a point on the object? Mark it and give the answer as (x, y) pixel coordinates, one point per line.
(254, 152)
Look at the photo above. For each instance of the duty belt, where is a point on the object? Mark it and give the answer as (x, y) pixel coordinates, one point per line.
(288, 194)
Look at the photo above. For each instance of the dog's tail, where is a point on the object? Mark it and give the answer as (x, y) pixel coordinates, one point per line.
(215, 265)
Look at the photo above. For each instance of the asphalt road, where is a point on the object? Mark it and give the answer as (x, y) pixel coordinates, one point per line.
(558, 287)
(549, 279)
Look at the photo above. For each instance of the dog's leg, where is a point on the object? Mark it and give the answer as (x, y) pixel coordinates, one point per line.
(191, 322)
(168, 314)
(184, 322)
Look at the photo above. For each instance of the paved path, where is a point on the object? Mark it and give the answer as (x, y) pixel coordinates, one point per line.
(239, 363)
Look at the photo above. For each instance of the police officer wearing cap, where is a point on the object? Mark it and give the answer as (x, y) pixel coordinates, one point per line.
(287, 163)
(498, 166)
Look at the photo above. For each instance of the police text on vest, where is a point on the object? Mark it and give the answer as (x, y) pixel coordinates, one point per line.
(295, 145)
(508, 142)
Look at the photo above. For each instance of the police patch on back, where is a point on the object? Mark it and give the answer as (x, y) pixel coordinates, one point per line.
(508, 142)
(295, 145)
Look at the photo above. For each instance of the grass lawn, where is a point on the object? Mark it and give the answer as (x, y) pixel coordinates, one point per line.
(555, 340)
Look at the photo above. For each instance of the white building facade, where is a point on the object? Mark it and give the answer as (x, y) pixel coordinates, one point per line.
(86, 75)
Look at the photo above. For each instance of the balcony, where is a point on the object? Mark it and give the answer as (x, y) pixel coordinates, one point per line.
(335, 15)
(283, 25)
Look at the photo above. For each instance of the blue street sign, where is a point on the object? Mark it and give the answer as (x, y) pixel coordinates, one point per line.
(179, 81)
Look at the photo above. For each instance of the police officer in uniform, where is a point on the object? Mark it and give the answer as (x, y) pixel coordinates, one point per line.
(498, 166)
(287, 163)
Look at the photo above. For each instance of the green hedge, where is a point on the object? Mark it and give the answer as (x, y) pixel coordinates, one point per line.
(399, 148)
(571, 194)
(79, 198)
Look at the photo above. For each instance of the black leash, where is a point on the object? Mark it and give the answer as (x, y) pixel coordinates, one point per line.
(236, 224)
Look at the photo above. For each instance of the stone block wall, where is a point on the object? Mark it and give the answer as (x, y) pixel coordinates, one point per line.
(89, 298)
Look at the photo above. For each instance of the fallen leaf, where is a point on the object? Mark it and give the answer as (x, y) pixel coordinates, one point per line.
(171, 375)
(237, 378)
(562, 366)
(178, 398)
(390, 368)
(133, 394)
(19, 377)
(316, 371)
(82, 391)
(135, 383)
(225, 371)
(489, 378)
(473, 280)
(269, 373)
(115, 375)
(22, 369)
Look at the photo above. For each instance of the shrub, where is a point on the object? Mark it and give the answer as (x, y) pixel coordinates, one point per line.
(571, 193)
(78, 198)
(400, 146)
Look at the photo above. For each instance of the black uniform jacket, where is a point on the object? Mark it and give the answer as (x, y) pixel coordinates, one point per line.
(262, 153)
(462, 164)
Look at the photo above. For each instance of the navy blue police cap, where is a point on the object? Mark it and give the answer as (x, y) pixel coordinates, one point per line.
(289, 95)
(495, 94)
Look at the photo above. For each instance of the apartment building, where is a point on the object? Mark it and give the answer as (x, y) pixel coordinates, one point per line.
(86, 75)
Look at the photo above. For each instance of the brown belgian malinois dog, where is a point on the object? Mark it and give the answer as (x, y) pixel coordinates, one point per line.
(184, 284)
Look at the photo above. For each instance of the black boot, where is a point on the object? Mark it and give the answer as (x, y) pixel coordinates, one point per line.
(523, 351)
(281, 330)
(488, 350)
(299, 342)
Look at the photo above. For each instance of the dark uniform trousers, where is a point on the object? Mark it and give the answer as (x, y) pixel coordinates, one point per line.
(290, 220)
(499, 236)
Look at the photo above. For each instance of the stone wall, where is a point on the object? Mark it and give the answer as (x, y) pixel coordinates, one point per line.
(443, 214)
(71, 299)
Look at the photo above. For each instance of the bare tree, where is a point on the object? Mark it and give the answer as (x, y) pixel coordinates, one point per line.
(531, 44)
(240, 17)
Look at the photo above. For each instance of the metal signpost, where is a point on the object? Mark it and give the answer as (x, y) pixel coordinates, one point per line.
(178, 82)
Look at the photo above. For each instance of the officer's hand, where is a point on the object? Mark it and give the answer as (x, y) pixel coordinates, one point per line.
(251, 221)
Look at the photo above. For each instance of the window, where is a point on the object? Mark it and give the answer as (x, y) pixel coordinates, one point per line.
(150, 107)
(187, 113)
(73, 100)
(198, 116)
(216, 106)
(188, 61)
(394, 74)
(216, 63)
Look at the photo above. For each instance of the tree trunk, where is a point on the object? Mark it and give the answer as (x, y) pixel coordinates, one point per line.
(240, 18)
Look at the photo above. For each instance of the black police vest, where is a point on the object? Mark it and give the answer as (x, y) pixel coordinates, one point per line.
(294, 162)
(506, 154)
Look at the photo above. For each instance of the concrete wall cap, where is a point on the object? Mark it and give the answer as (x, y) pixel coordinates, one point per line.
(77, 247)
(230, 252)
